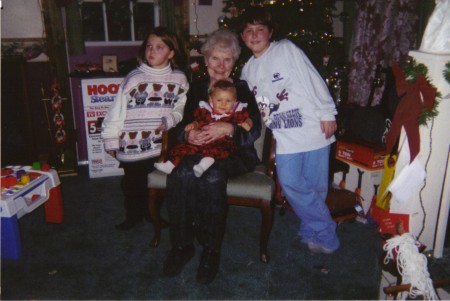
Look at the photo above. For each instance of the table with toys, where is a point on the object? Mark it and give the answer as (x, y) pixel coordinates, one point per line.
(24, 189)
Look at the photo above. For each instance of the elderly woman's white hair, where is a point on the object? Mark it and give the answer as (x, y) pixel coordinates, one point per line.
(222, 40)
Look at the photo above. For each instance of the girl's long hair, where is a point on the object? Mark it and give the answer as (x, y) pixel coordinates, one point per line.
(180, 58)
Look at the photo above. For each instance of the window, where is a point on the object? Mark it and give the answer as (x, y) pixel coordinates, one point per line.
(118, 21)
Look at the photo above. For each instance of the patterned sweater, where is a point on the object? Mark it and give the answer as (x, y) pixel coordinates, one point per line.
(147, 98)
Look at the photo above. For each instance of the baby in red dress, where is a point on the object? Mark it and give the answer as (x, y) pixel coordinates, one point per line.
(221, 106)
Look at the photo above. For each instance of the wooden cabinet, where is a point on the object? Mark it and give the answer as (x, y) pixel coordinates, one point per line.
(25, 135)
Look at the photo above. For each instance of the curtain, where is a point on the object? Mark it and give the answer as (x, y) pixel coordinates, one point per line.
(384, 32)
(168, 14)
(75, 39)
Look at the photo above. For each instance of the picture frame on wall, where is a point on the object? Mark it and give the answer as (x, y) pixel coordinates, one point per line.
(110, 64)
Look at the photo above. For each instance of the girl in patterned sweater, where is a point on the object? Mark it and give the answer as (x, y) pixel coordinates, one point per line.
(134, 124)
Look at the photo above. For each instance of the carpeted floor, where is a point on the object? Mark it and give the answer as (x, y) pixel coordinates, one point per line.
(86, 258)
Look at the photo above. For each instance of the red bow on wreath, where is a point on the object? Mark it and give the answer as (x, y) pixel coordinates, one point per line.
(409, 109)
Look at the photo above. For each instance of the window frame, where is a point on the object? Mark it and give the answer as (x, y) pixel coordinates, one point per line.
(132, 42)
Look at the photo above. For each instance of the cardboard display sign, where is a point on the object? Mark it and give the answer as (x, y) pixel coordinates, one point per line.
(98, 95)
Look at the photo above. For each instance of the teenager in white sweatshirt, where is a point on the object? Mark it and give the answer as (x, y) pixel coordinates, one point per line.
(296, 105)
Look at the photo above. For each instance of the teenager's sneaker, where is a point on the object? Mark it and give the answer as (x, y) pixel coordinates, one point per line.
(316, 248)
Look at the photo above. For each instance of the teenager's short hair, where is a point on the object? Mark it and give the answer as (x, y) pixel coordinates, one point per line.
(222, 40)
(223, 85)
(256, 15)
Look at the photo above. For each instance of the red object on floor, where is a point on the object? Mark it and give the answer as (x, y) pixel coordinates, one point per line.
(54, 212)
(390, 223)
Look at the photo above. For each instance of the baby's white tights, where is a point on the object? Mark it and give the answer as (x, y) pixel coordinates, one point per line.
(203, 165)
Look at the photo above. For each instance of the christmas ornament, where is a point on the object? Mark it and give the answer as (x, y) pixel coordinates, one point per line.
(58, 117)
(221, 21)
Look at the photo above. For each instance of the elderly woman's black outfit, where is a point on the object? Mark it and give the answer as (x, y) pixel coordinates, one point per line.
(197, 207)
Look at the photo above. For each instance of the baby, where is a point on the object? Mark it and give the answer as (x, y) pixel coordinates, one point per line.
(221, 106)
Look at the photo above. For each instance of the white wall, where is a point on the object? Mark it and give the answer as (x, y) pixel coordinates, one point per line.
(21, 19)
(206, 15)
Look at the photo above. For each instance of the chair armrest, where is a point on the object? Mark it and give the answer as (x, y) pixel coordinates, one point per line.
(270, 159)
(168, 141)
(164, 147)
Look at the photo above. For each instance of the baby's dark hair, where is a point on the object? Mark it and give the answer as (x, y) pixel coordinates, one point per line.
(256, 15)
(223, 85)
(180, 58)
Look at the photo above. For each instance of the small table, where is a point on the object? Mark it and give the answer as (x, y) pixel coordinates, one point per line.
(23, 190)
(366, 166)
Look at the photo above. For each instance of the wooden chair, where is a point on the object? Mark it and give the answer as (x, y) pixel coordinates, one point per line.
(255, 189)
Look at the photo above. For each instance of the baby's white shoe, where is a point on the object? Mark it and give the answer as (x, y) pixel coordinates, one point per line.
(203, 165)
(165, 167)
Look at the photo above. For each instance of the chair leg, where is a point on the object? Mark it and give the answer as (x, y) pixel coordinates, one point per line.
(266, 227)
(154, 205)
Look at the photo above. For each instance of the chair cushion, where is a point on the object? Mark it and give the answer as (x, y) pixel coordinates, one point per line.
(254, 185)
(156, 179)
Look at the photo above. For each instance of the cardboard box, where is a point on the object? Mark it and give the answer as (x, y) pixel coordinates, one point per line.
(371, 158)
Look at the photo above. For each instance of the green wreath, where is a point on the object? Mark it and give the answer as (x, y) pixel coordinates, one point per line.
(412, 70)
(447, 72)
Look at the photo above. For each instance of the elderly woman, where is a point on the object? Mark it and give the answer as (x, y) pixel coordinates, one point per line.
(197, 207)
